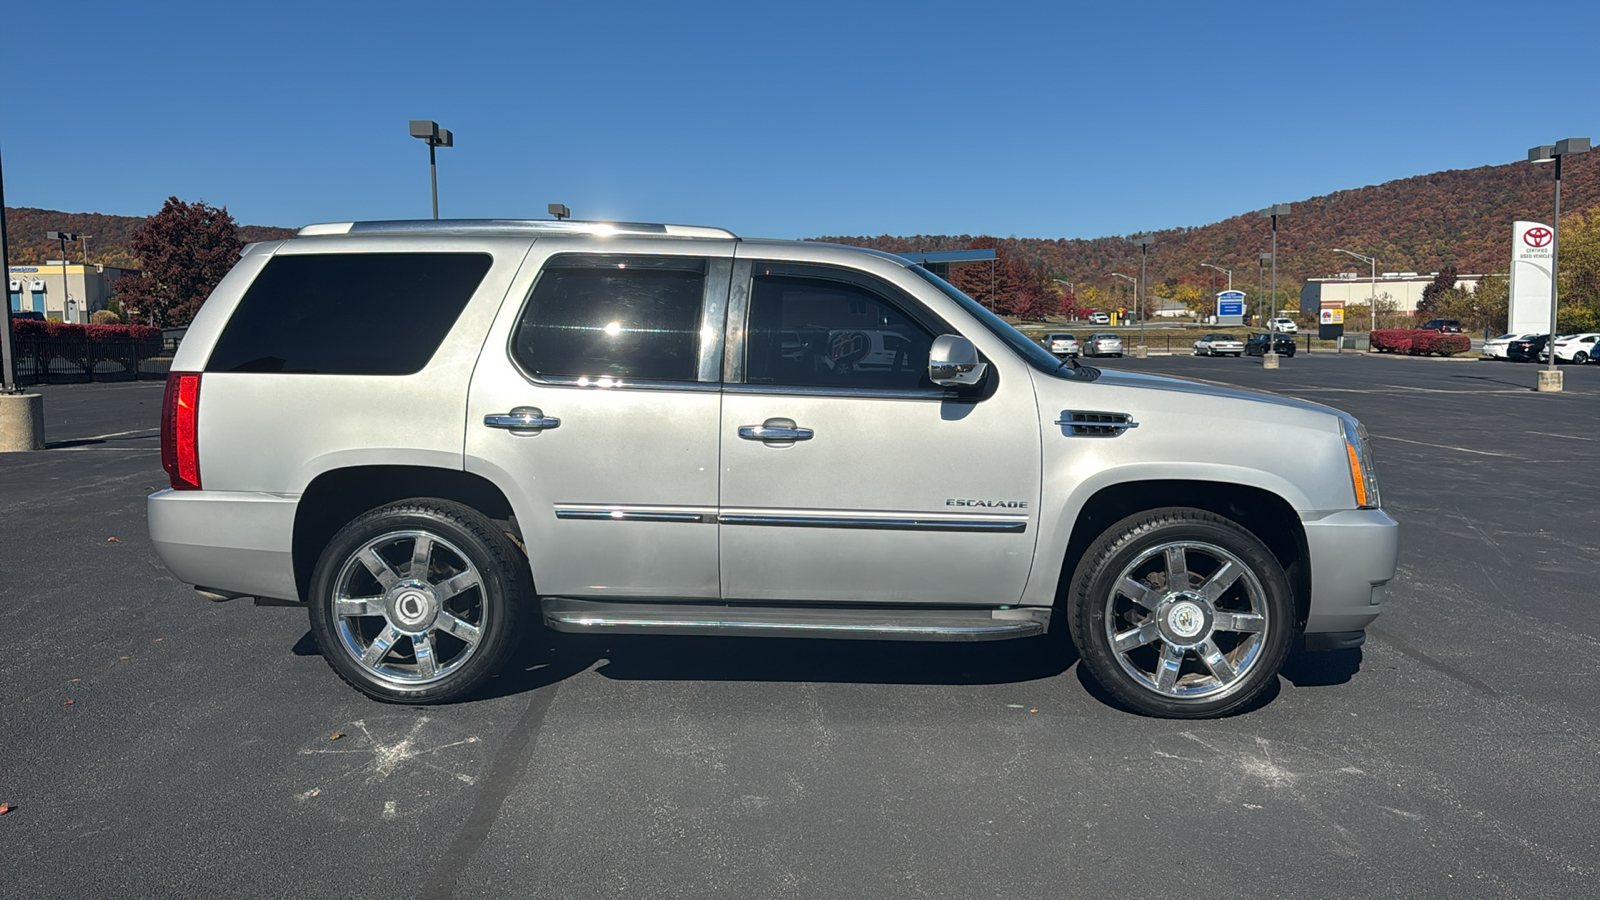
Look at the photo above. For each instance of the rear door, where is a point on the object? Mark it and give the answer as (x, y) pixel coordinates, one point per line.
(595, 404)
(847, 476)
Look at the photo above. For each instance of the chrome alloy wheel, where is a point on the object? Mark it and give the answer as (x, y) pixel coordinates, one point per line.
(1187, 619)
(408, 607)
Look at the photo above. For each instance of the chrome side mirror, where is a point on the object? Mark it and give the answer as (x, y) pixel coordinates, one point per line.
(953, 362)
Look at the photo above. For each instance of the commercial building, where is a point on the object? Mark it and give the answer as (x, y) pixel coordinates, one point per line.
(40, 289)
(1403, 289)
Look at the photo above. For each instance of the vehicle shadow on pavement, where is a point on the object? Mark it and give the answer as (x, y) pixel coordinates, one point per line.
(1322, 668)
(629, 657)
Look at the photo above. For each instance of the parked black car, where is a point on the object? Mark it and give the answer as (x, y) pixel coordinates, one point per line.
(1256, 344)
(1527, 350)
(1443, 326)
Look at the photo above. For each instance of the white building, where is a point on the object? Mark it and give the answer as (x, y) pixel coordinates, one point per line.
(1404, 289)
(40, 289)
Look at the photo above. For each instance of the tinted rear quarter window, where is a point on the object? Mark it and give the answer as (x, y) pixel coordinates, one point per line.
(348, 313)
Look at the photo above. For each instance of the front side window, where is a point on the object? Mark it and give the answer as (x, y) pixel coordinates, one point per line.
(817, 332)
(613, 318)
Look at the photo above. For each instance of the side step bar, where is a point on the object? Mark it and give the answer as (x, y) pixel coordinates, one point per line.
(874, 623)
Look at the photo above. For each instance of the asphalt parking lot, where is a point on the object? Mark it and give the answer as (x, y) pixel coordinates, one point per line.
(158, 744)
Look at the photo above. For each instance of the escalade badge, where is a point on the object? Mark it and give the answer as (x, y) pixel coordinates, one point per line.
(998, 504)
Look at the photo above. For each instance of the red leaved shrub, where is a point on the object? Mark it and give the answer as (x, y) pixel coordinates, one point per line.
(1417, 342)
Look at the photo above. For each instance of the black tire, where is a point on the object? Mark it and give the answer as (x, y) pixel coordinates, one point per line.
(1580, 357)
(465, 603)
(1245, 628)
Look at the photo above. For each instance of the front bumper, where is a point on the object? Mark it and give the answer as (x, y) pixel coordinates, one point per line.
(1353, 556)
(233, 541)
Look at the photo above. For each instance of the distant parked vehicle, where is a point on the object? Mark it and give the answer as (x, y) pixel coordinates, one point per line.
(1283, 325)
(1573, 348)
(1495, 348)
(1103, 345)
(1099, 318)
(1443, 326)
(1526, 348)
(1256, 344)
(1061, 344)
(1218, 345)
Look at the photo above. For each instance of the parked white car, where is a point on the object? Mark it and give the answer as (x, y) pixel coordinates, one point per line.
(1574, 348)
(1099, 318)
(1219, 345)
(1283, 325)
(1496, 348)
(1103, 345)
(1061, 344)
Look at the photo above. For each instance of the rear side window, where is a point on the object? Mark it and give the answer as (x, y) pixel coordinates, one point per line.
(618, 317)
(348, 313)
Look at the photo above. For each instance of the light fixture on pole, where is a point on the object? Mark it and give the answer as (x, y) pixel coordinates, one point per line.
(66, 293)
(1213, 284)
(1129, 279)
(1550, 379)
(1372, 299)
(559, 211)
(1269, 359)
(430, 131)
(1141, 290)
(1071, 289)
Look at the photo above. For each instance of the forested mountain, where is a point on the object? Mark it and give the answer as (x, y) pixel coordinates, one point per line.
(1459, 218)
(109, 238)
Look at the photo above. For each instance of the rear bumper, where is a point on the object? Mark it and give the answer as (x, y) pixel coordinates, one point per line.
(232, 541)
(1353, 556)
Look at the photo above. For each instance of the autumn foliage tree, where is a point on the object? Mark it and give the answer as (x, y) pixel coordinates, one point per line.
(184, 251)
(1011, 287)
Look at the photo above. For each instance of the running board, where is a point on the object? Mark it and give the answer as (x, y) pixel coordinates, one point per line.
(874, 623)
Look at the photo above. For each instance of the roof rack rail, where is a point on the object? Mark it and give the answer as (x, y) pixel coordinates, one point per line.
(515, 227)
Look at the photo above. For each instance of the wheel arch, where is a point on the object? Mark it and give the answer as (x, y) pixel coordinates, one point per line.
(1263, 513)
(335, 497)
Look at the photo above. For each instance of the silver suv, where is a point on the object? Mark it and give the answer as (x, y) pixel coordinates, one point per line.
(428, 432)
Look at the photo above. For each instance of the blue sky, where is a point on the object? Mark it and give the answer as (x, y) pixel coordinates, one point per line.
(779, 120)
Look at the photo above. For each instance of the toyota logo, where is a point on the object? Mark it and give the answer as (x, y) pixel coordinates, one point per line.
(1537, 237)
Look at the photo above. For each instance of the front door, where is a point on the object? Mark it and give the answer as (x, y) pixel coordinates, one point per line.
(847, 476)
(595, 404)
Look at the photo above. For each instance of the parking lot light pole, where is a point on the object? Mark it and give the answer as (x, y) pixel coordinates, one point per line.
(1129, 279)
(1261, 279)
(1229, 273)
(1550, 379)
(1269, 358)
(1140, 290)
(21, 415)
(436, 137)
(66, 293)
(1372, 301)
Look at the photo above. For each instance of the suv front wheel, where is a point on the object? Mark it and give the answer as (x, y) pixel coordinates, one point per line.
(418, 601)
(1181, 613)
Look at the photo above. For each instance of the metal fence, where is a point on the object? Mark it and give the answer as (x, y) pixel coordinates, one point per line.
(54, 361)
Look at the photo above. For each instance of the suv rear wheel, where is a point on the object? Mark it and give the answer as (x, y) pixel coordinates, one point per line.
(418, 601)
(1181, 613)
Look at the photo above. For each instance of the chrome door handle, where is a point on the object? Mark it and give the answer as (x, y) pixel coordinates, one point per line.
(523, 418)
(775, 431)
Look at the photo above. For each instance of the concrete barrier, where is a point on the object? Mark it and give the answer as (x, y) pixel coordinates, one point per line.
(21, 422)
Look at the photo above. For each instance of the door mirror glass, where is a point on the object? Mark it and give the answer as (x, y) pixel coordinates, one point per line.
(953, 362)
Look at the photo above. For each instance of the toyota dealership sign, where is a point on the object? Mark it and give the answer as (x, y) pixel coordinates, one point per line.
(1531, 256)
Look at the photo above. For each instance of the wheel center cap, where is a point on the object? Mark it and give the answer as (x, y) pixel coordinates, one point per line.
(412, 606)
(1186, 619)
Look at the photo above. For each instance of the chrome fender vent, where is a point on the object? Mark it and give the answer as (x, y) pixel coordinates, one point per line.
(1084, 423)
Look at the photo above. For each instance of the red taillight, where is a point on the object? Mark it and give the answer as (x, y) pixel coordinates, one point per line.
(180, 445)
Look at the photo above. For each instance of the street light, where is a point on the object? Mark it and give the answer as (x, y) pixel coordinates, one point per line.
(1143, 241)
(1269, 359)
(1372, 301)
(8, 363)
(66, 292)
(430, 131)
(1073, 290)
(1133, 281)
(1214, 284)
(1550, 379)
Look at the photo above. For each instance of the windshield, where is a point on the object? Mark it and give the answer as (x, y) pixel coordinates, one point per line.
(1025, 347)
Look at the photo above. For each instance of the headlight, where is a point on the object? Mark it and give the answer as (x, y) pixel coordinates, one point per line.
(1363, 474)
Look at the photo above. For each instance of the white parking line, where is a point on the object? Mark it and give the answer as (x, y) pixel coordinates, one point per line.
(1570, 437)
(1444, 446)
